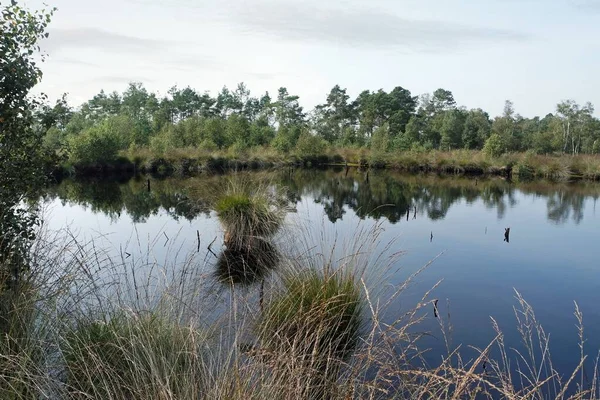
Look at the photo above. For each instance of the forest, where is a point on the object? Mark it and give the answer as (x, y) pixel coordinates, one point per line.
(378, 124)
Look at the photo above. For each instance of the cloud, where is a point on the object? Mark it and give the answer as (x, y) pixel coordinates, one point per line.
(586, 5)
(99, 39)
(118, 79)
(73, 61)
(362, 27)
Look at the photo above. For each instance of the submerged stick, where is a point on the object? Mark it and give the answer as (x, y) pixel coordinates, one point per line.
(507, 235)
(198, 234)
(209, 248)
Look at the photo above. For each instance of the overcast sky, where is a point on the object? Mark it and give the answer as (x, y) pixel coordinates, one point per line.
(534, 52)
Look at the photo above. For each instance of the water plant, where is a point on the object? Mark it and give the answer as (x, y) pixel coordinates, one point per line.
(248, 211)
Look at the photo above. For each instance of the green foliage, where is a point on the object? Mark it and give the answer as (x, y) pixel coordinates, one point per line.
(54, 140)
(140, 355)
(286, 138)
(380, 144)
(248, 211)
(477, 129)
(315, 312)
(494, 146)
(310, 146)
(524, 171)
(235, 123)
(97, 144)
(452, 129)
(21, 150)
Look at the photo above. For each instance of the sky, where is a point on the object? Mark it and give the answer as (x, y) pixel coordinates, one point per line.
(533, 52)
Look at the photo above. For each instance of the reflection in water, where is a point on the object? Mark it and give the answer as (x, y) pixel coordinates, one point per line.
(552, 267)
(385, 195)
(245, 265)
(113, 198)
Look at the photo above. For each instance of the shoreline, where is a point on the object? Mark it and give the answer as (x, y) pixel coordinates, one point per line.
(518, 166)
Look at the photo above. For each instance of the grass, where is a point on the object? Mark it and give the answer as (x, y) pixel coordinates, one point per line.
(186, 161)
(315, 310)
(247, 212)
(133, 356)
(323, 332)
(311, 327)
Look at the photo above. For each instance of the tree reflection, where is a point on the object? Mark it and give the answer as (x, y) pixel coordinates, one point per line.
(386, 195)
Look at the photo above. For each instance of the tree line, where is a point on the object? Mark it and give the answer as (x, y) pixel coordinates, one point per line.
(235, 119)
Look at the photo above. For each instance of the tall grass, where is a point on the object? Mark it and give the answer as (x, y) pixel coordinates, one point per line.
(323, 330)
(134, 356)
(249, 211)
(310, 328)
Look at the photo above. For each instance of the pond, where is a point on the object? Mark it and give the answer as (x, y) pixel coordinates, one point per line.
(551, 255)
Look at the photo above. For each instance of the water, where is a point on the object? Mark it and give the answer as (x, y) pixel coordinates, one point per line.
(551, 258)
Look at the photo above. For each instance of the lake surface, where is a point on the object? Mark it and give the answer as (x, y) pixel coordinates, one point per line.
(552, 257)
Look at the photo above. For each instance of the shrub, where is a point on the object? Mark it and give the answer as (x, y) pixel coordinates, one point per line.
(494, 146)
(309, 146)
(524, 171)
(94, 145)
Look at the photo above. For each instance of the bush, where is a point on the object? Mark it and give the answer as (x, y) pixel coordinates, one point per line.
(494, 146)
(208, 145)
(94, 145)
(524, 171)
(162, 143)
(309, 146)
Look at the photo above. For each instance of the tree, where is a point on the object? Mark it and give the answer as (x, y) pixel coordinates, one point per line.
(380, 143)
(442, 100)
(335, 116)
(20, 145)
(57, 116)
(452, 129)
(400, 107)
(477, 129)
(288, 111)
(576, 122)
(506, 127)
(494, 146)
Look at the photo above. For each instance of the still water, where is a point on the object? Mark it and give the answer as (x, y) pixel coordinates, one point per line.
(552, 257)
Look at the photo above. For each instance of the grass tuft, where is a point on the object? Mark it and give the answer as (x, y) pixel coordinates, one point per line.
(248, 211)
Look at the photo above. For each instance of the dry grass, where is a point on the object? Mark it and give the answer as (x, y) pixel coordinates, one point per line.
(321, 332)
